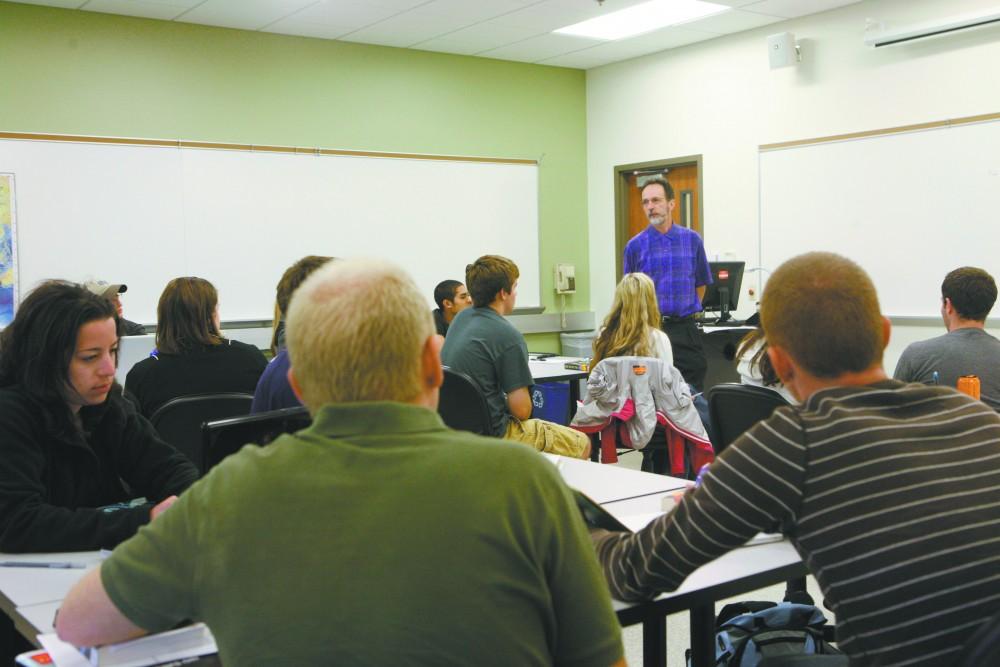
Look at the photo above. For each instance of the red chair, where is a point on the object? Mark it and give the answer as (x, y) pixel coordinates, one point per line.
(683, 447)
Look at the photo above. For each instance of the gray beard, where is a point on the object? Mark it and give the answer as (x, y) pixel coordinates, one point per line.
(656, 220)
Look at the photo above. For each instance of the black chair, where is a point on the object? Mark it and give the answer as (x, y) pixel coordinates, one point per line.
(983, 647)
(179, 420)
(734, 408)
(462, 405)
(227, 436)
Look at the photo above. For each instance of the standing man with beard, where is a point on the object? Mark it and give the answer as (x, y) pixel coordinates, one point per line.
(674, 257)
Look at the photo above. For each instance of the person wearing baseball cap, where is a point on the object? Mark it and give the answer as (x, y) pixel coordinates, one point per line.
(110, 291)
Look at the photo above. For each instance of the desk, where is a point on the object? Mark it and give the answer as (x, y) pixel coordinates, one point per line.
(30, 596)
(625, 492)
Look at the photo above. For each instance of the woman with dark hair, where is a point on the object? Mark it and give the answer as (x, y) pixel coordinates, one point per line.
(73, 451)
(191, 355)
(754, 365)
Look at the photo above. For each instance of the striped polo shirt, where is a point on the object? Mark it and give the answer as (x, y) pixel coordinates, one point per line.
(891, 494)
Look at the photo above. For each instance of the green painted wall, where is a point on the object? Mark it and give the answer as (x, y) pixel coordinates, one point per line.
(67, 71)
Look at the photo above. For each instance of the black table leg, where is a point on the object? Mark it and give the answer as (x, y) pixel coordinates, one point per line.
(654, 642)
(703, 635)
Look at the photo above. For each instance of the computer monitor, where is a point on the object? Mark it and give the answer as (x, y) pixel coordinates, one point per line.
(227, 436)
(723, 295)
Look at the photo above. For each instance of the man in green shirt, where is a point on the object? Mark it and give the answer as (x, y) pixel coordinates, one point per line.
(376, 536)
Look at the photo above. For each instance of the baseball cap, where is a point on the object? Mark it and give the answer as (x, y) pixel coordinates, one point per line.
(105, 289)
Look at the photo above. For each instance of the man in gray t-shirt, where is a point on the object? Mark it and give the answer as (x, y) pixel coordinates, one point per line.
(967, 296)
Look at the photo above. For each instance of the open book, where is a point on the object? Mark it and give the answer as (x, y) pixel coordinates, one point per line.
(191, 646)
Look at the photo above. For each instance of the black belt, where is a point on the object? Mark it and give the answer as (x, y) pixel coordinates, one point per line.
(668, 319)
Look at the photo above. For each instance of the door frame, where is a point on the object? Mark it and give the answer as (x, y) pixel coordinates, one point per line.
(621, 174)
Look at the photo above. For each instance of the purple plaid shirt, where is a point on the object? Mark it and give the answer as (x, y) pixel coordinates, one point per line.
(677, 264)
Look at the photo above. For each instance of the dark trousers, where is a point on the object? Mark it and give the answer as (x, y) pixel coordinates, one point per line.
(689, 355)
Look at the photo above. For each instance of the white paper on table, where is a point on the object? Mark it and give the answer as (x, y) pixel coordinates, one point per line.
(636, 522)
(63, 654)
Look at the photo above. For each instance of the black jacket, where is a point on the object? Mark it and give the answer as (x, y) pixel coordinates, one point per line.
(53, 488)
(230, 367)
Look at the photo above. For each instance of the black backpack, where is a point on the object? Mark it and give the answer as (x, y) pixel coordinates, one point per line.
(747, 632)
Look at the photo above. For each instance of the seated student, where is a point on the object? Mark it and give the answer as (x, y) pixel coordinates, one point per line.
(71, 447)
(273, 391)
(375, 537)
(754, 366)
(451, 298)
(191, 356)
(632, 328)
(967, 297)
(890, 491)
(111, 293)
(486, 347)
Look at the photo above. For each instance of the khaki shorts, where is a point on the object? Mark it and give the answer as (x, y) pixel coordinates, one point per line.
(548, 437)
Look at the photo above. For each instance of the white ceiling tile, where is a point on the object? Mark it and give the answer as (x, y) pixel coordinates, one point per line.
(150, 9)
(473, 12)
(585, 59)
(64, 4)
(623, 49)
(553, 14)
(794, 8)
(302, 29)
(487, 35)
(409, 28)
(243, 14)
(734, 3)
(732, 21)
(541, 47)
(446, 45)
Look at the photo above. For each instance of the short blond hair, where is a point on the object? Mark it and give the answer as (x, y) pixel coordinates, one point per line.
(356, 331)
(823, 310)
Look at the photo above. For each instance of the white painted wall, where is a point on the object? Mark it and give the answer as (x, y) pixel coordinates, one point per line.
(719, 99)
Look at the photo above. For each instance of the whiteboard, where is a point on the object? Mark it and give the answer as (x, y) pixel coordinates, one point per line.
(142, 215)
(908, 207)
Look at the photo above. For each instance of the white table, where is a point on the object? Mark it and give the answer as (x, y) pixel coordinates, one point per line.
(612, 484)
(624, 492)
(30, 596)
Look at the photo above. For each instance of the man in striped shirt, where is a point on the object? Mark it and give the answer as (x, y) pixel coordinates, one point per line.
(890, 491)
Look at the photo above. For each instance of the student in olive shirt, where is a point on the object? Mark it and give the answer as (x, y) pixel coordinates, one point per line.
(377, 536)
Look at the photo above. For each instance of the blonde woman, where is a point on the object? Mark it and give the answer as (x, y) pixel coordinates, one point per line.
(632, 328)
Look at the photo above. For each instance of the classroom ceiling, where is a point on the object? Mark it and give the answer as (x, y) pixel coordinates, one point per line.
(518, 30)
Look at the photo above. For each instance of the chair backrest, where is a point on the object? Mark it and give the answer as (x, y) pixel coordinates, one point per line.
(734, 408)
(223, 437)
(179, 420)
(983, 647)
(462, 405)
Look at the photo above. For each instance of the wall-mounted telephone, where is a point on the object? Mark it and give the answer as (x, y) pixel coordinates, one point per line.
(565, 279)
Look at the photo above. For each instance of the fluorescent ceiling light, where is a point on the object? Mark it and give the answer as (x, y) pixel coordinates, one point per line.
(641, 18)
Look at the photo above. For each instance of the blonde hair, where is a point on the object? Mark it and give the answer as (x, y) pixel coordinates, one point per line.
(356, 331)
(822, 309)
(626, 328)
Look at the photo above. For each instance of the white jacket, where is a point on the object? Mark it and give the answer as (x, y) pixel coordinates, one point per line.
(653, 386)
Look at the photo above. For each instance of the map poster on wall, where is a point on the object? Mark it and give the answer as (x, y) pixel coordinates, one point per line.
(8, 250)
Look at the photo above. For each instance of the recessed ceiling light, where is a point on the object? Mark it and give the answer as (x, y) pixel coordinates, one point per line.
(641, 18)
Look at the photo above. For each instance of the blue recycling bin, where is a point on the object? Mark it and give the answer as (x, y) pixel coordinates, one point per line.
(550, 401)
